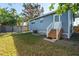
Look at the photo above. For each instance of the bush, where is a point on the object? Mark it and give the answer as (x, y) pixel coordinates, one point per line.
(35, 31)
(76, 29)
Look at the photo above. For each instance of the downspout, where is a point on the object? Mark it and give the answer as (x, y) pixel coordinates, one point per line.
(68, 24)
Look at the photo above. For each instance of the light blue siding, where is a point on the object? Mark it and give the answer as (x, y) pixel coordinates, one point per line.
(45, 23)
(64, 20)
(67, 23)
(33, 25)
(70, 23)
(42, 23)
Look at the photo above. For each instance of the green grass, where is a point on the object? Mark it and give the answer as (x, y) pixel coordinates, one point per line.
(28, 44)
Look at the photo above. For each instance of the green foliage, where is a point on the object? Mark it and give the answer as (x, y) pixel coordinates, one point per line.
(9, 17)
(75, 8)
(51, 7)
(19, 21)
(64, 7)
(4, 16)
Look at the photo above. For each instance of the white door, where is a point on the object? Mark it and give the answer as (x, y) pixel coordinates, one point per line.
(56, 21)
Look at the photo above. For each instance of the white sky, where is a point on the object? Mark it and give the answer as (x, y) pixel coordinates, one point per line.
(19, 7)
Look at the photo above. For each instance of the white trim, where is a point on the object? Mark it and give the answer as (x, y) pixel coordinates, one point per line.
(48, 29)
(72, 23)
(68, 23)
(59, 20)
(54, 19)
(56, 15)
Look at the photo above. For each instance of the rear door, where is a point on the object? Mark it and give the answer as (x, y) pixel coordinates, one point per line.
(56, 21)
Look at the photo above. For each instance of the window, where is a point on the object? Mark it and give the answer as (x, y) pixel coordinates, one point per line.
(41, 20)
(57, 18)
(33, 23)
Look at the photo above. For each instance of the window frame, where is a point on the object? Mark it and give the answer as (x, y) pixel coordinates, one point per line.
(56, 20)
(41, 20)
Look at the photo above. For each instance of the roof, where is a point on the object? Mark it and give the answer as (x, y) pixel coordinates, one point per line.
(52, 12)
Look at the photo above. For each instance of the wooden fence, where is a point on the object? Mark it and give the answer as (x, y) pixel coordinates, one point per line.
(13, 29)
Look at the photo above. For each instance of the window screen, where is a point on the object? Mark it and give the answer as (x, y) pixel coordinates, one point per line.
(57, 18)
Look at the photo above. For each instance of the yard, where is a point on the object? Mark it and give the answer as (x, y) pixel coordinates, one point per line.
(28, 44)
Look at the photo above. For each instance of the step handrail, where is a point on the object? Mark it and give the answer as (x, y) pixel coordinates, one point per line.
(58, 31)
(49, 28)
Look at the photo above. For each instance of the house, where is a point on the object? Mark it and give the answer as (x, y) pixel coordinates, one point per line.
(53, 25)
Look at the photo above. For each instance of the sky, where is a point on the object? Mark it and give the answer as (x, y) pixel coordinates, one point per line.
(19, 7)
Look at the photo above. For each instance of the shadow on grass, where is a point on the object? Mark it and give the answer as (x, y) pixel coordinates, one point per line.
(28, 44)
(75, 37)
(5, 34)
(24, 43)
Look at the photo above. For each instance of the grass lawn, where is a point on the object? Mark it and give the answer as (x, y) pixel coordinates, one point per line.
(28, 44)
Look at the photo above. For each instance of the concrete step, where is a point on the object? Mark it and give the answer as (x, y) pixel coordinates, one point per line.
(50, 40)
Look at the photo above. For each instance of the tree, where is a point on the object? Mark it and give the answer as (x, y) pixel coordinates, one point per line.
(32, 10)
(3, 14)
(19, 22)
(12, 17)
(7, 17)
(63, 7)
